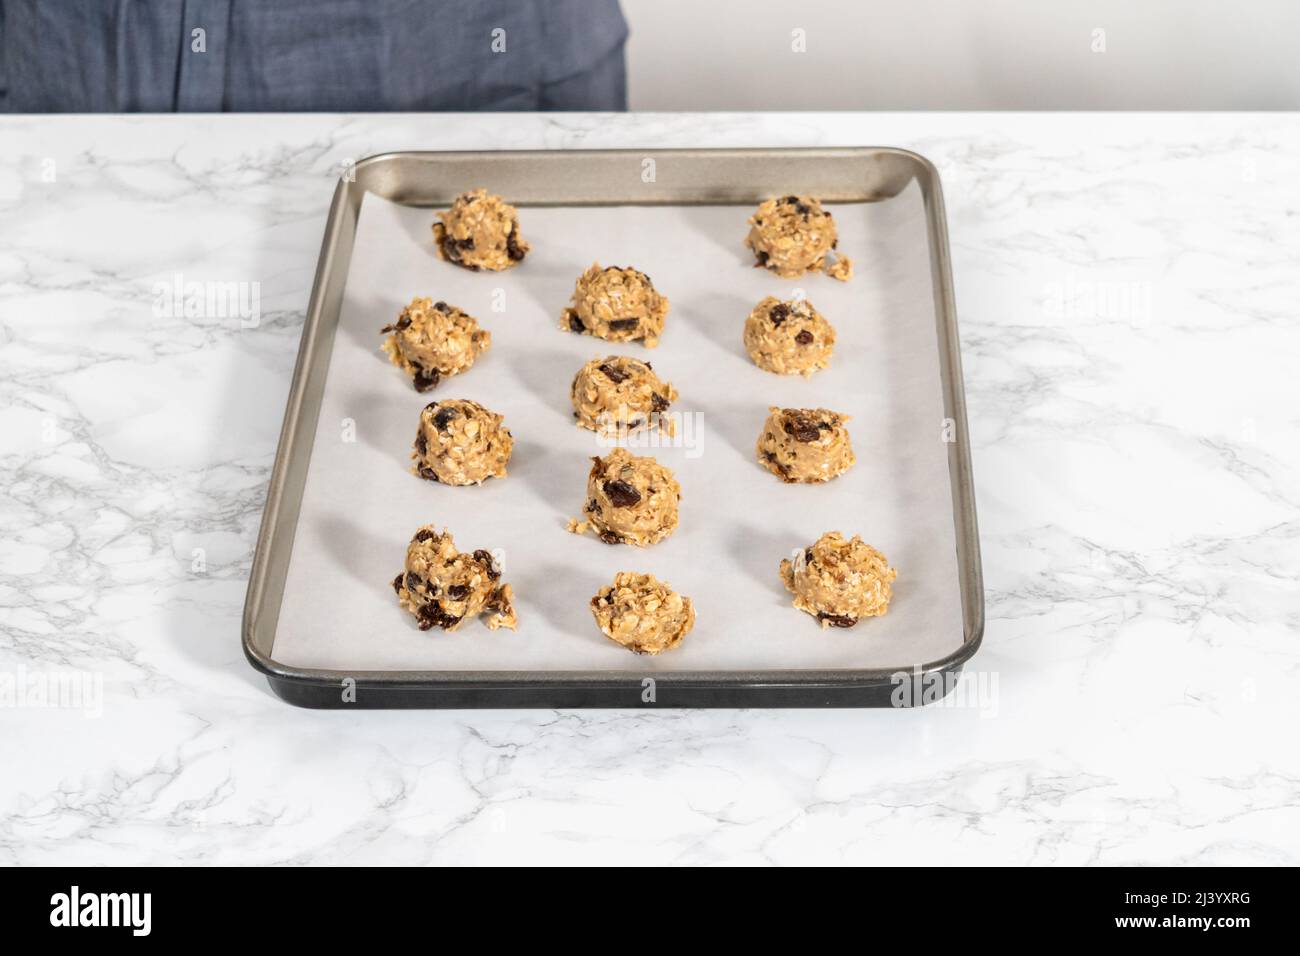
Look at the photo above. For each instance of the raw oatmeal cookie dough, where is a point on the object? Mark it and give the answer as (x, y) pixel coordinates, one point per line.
(794, 235)
(460, 442)
(619, 394)
(788, 338)
(631, 499)
(480, 231)
(839, 582)
(616, 304)
(431, 340)
(642, 613)
(805, 444)
(444, 587)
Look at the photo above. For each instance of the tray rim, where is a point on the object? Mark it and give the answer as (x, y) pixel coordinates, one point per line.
(293, 682)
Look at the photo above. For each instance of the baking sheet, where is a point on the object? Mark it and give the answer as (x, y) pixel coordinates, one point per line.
(361, 505)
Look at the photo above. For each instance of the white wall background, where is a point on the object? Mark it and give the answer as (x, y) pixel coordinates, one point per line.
(964, 54)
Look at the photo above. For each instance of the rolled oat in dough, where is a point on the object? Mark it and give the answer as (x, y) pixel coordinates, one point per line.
(460, 442)
(617, 394)
(794, 235)
(616, 304)
(788, 338)
(631, 499)
(431, 340)
(642, 613)
(480, 231)
(805, 444)
(839, 581)
(444, 587)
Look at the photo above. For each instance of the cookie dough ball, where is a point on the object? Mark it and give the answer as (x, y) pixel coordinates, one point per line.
(460, 442)
(444, 587)
(431, 340)
(480, 231)
(631, 499)
(839, 582)
(805, 444)
(618, 305)
(618, 394)
(642, 613)
(788, 338)
(794, 235)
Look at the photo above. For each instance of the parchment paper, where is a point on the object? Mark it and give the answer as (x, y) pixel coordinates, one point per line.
(361, 504)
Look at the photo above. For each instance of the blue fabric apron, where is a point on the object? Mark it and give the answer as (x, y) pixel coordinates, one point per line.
(310, 55)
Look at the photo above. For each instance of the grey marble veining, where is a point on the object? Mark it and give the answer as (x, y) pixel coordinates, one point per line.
(1128, 287)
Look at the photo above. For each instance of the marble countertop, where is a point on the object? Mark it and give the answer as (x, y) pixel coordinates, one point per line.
(1128, 287)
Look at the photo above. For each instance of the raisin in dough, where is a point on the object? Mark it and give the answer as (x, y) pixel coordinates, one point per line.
(480, 231)
(631, 499)
(460, 442)
(788, 338)
(444, 587)
(805, 444)
(618, 394)
(618, 305)
(794, 235)
(431, 340)
(839, 582)
(642, 613)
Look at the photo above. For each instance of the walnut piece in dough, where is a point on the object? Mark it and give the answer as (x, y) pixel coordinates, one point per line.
(444, 588)
(618, 305)
(617, 394)
(794, 235)
(631, 499)
(431, 340)
(642, 613)
(480, 231)
(839, 582)
(788, 338)
(805, 444)
(460, 442)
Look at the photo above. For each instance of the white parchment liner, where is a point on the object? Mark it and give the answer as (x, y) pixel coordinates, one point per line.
(361, 504)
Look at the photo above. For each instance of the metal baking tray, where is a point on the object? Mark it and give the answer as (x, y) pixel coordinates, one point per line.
(596, 180)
